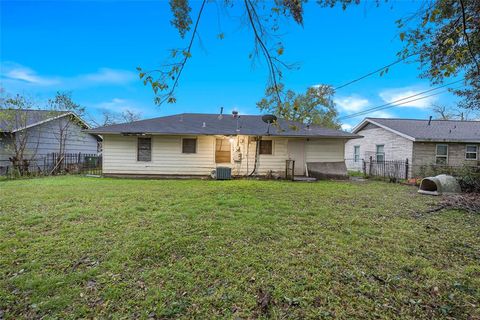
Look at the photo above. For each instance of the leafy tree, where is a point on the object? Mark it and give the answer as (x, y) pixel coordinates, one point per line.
(443, 36)
(315, 106)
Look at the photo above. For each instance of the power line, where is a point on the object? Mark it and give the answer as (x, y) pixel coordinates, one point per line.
(399, 101)
(374, 72)
(390, 106)
(384, 67)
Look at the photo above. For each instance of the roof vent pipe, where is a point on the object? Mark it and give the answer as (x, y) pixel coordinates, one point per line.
(220, 116)
(430, 120)
(204, 125)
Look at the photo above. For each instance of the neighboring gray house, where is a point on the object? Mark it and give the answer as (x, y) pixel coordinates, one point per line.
(43, 130)
(195, 144)
(423, 142)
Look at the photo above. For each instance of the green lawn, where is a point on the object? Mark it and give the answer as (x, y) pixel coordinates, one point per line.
(75, 247)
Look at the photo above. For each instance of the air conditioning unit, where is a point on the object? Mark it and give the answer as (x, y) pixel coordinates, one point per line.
(223, 173)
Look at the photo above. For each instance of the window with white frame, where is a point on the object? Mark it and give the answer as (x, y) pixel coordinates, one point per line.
(471, 152)
(441, 156)
(356, 153)
(380, 153)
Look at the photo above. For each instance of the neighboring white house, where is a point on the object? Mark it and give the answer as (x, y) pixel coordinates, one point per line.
(195, 144)
(424, 143)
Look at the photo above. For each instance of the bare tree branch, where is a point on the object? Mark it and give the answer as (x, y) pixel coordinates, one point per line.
(258, 40)
(180, 65)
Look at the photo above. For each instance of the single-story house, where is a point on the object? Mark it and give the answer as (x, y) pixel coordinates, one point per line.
(193, 144)
(424, 143)
(40, 132)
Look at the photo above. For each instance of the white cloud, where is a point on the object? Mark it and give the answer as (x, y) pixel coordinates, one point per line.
(108, 76)
(14, 71)
(117, 105)
(352, 103)
(375, 114)
(14, 75)
(380, 114)
(346, 127)
(402, 94)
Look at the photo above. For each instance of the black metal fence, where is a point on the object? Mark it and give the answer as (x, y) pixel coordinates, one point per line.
(391, 169)
(387, 169)
(54, 164)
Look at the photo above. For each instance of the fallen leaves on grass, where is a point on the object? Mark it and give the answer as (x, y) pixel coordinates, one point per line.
(469, 202)
(264, 301)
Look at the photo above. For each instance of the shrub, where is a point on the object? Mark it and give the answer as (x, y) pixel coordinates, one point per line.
(469, 179)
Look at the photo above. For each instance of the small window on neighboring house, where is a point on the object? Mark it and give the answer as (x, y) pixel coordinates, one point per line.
(380, 153)
(441, 156)
(144, 149)
(471, 152)
(189, 145)
(266, 147)
(356, 153)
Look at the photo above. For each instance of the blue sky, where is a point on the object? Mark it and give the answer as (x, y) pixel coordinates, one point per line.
(93, 47)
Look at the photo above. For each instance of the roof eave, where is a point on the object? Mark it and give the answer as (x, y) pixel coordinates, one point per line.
(51, 119)
(352, 136)
(448, 140)
(367, 120)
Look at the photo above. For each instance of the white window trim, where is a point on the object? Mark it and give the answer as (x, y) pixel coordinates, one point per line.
(476, 152)
(441, 156)
(354, 154)
(377, 153)
(189, 153)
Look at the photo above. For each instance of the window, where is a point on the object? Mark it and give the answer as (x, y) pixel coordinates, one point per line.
(144, 149)
(356, 153)
(441, 156)
(223, 151)
(266, 147)
(189, 145)
(471, 152)
(380, 154)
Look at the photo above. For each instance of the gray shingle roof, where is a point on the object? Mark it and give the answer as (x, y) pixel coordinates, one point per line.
(12, 120)
(212, 124)
(438, 130)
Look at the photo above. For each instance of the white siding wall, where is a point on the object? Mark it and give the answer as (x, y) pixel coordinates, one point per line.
(274, 162)
(120, 155)
(325, 150)
(396, 147)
